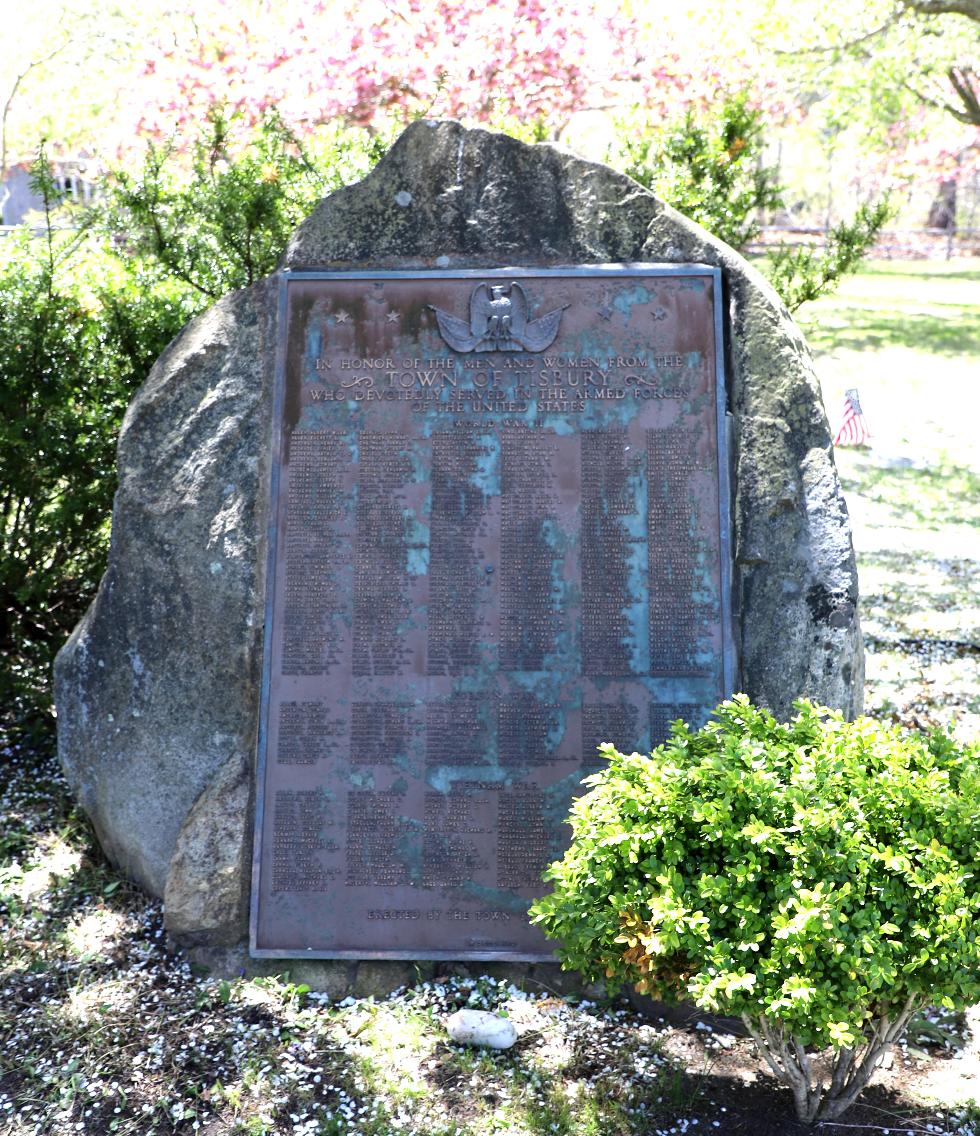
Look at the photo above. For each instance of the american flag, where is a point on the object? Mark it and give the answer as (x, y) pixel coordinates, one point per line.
(853, 429)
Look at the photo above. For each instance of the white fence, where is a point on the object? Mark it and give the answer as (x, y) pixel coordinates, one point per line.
(893, 244)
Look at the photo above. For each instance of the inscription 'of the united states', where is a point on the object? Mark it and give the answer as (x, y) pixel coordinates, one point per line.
(499, 538)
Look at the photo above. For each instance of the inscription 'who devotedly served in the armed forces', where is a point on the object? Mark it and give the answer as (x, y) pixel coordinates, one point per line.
(500, 538)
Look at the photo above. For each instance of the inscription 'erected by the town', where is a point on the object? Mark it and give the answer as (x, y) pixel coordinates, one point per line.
(500, 537)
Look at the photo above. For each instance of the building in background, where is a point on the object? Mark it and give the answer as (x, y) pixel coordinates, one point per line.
(77, 178)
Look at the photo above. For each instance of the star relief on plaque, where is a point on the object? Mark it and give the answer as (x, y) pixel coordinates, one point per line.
(499, 322)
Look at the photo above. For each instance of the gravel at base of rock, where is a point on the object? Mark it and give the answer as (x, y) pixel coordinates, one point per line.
(478, 1027)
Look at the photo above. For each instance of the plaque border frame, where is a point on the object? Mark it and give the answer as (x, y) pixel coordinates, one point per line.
(726, 544)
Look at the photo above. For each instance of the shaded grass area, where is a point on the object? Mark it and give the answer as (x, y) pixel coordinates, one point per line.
(913, 496)
(945, 331)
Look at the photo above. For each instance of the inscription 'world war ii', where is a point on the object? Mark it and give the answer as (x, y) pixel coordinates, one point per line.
(499, 541)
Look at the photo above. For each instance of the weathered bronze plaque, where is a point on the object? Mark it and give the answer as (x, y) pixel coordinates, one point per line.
(499, 537)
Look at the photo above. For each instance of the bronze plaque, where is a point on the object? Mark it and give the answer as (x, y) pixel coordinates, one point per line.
(500, 536)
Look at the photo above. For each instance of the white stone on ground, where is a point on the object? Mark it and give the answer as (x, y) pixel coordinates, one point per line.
(478, 1027)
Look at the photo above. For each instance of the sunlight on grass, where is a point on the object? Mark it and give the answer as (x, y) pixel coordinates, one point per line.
(95, 932)
(56, 859)
(265, 992)
(92, 1003)
(399, 1044)
(919, 408)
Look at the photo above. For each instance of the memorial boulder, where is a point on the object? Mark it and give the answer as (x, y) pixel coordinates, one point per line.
(509, 457)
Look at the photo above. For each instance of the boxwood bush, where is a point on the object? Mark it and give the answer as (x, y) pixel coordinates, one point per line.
(815, 878)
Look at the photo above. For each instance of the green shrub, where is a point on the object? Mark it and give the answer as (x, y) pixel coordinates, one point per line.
(84, 312)
(799, 273)
(216, 212)
(76, 335)
(713, 171)
(816, 879)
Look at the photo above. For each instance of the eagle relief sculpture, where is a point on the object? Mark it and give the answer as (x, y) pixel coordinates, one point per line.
(498, 322)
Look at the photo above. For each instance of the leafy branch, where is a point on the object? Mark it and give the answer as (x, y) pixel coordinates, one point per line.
(800, 273)
(714, 172)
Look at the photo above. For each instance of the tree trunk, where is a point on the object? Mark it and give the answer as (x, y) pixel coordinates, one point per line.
(850, 1070)
(942, 212)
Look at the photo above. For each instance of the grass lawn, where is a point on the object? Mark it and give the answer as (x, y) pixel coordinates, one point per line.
(907, 336)
(105, 1029)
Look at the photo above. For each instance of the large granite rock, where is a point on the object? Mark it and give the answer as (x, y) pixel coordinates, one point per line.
(158, 688)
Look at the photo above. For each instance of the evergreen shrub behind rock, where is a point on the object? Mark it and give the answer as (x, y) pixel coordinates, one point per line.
(77, 335)
(817, 879)
(85, 309)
